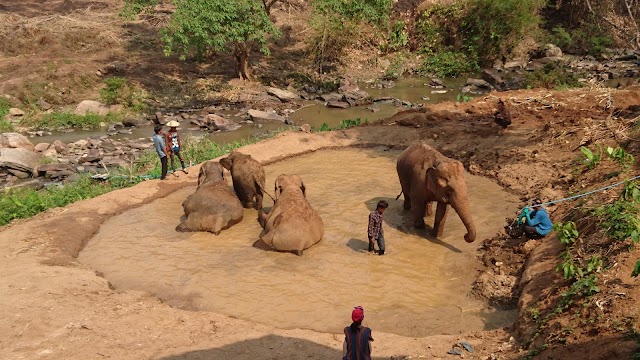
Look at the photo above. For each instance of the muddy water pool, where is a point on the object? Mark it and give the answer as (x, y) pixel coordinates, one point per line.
(419, 287)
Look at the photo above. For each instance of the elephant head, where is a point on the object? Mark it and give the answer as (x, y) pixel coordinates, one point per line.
(285, 182)
(210, 171)
(445, 180)
(227, 162)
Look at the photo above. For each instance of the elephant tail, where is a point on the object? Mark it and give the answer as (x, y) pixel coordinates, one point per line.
(264, 191)
(398, 197)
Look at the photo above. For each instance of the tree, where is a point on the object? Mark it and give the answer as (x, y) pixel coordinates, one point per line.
(202, 26)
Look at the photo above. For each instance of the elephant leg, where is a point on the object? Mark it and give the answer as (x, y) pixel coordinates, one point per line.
(418, 215)
(262, 218)
(441, 217)
(258, 200)
(429, 209)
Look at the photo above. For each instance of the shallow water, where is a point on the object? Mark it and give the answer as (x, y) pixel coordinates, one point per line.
(420, 287)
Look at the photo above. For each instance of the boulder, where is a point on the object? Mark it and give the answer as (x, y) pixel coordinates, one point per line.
(478, 83)
(551, 50)
(90, 106)
(306, 128)
(512, 65)
(20, 174)
(93, 155)
(51, 152)
(19, 159)
(129, 122)
(282, 95)
(219, 123)
(15, 140)
(338, 104)
(34, 184)
(48, 168)
(436, 83)
(331, 97)
(41, 147)
(80, 144)
(60, 147)
(16, 112)
(43, 105)
(494, 78)
(258, 115)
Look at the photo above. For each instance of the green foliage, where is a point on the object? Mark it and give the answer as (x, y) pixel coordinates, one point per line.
(5, 126)
(344, 124)
(586, 39)
(24, 203)
(463, 98)
(338, 24)
(134, 7)
(591, 159)
(396, 69)
(636, 269)
(4, 106)
(567, 232)
(324, 127)
(118, 90)
(621, 219)
(398, 37)
(448, 63)
(59, 120)
(553, 76)
(203, 26)
(620, 156)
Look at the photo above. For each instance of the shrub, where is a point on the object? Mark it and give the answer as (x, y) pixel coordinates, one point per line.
(4, 106)
(60, 120)
(5, 126)
(447, 63)
(553, 76)
(134, 7)
(398, 37)
(118, 90)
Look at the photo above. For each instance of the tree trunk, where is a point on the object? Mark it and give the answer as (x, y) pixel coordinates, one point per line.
(242, 61)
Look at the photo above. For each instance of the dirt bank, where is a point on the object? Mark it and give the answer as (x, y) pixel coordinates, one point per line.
(55, 308)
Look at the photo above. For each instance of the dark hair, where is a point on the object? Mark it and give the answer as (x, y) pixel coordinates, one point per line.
(355, 325)
(157, 128)
(382, 204)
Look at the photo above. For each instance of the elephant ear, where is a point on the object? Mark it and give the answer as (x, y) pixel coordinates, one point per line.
(435, 181)
(226, 162)
(202, 175)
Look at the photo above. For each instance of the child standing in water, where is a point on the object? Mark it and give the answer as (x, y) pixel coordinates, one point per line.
(357, 338)
(174, 144)
(375, 231)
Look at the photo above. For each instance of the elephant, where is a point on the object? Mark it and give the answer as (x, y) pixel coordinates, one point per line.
(426, 176)
(248, 178)
(214, 206)
(291, 225)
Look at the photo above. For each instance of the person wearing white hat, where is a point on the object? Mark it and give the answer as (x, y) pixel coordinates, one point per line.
(174, 144)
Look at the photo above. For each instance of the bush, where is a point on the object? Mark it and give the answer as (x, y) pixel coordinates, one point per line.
(134, 7)
(553, 76)
(587, 39)
(447, 63)
(398, 37)
(60, 120)
(118, 90)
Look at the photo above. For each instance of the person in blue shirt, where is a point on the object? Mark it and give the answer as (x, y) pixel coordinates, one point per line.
(161, 149)
(537, 223)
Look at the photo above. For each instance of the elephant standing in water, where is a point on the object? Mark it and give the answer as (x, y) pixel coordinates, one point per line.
(426, 176)
(291, 225)
(248, 178)
(214, 206)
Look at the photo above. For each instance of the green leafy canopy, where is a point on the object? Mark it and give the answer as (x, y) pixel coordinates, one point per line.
(218, 25)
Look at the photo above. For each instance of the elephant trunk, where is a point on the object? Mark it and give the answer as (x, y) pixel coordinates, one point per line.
(461, 206)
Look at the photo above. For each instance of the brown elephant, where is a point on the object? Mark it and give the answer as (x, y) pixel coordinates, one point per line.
(214, 206)
(291, 225)
(248, 178)
(426, 176)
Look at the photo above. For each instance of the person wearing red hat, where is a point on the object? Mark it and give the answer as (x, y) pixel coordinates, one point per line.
(357, 338)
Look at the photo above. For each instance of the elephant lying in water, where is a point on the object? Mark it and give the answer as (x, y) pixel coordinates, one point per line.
(248, 178)
(426, 176)
(214, 206)
(291, 225)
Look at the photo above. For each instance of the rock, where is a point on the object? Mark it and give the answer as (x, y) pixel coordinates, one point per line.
(510, 65)
(436, 83)
(439, 91)
(20, 174)
(550, 50)
(51, 152)
(306, 128)
(58, 174)
(139, 146)
(43, 105)
(217, 122)
(95, 143)
(43, 169)
(93, 155)
(373, 109)
(338, 104)
(19, 159)
(80, 144)
(91, 106)
(493, 77)
(357, 97)
(41, 147)
(496, 286)
(15, 140)
(331, 97)
(479, 83)
(159, 119)
(34, 184)
(16, 112)
(60, 147)
(129, 122)
(528, 247)
(258, 115)
(282, 95)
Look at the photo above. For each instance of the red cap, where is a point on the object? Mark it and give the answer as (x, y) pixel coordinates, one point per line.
(357, 314)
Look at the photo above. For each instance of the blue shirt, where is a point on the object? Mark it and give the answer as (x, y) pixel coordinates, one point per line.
(540, 220)
(158, 142)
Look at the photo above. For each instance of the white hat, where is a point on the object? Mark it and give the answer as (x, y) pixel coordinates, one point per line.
(173, 123)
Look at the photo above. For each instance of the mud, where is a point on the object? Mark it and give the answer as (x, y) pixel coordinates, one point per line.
(420, 287)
